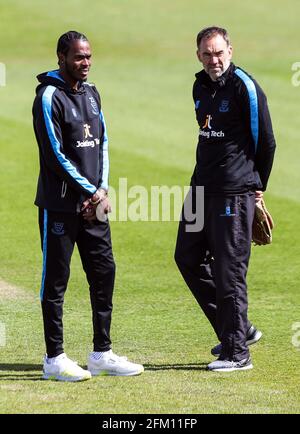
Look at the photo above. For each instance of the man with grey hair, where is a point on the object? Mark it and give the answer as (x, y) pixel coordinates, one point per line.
(235, 154)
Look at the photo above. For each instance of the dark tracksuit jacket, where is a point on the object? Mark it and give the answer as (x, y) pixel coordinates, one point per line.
(236, 143)
(73, 151)
(71, 135)
(234, 158)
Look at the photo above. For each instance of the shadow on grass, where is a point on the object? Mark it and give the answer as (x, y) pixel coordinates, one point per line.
(19, 371)
(176, 366)
(18, 367)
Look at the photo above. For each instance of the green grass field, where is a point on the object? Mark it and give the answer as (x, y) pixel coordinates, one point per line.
(144, 63)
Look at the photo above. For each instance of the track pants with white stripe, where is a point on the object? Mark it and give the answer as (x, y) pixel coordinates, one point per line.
(59, 233)
(214, 264)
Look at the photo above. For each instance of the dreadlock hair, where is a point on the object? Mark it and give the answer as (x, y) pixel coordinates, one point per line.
(65, 41)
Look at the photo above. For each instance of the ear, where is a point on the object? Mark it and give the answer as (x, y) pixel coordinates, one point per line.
(230, 51)
(61, 58)
(199, 55)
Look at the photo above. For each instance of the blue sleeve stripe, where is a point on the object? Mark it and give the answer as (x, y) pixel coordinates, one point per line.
(45, 227)
(105, 172)
(66, 164)
(253, 103)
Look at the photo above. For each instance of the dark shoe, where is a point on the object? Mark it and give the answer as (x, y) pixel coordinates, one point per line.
(253, 336)
(230, 365)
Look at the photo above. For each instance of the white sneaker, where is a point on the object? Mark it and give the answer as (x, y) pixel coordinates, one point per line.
(63, 369)
(108, 363)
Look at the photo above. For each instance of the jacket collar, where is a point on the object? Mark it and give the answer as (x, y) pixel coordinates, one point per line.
(54, 78)
(205, 79)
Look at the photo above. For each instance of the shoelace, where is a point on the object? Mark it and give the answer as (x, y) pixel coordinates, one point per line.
(112, 356)
(117, 358)
(69, 361)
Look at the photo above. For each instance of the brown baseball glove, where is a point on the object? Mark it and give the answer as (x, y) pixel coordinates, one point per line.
(262, 223)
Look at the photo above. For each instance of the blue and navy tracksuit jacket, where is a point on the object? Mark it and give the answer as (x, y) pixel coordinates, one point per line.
(236, 143)
(73, 147)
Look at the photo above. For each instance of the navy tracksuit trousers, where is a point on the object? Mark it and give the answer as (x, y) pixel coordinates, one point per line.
(214, 263)
(59, 233)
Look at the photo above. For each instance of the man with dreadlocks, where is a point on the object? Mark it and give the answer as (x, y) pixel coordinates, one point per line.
(73, 147)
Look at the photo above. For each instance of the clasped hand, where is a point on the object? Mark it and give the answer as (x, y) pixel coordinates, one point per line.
(89, 206)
